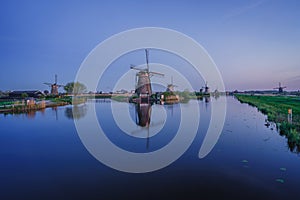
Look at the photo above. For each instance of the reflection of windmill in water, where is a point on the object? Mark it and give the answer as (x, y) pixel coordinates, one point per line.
(54, 86)
(76, 111)
(143, 88)
(143, 120)
(56, 114)
(280, 88)
(143, 117)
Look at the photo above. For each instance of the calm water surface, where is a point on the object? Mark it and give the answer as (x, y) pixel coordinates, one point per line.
(42, 156)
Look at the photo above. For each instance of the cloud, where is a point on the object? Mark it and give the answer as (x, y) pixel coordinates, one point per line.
(244, 9)
(294, 78)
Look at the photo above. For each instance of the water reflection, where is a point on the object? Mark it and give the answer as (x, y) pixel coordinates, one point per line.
(103, 100)
(31, 114)
(292, 136)
(54, 109)
(76, 111)
(147, 127)
(292, 140)
(284, 128)
(143, 116)
(244, 153)
(205, 98)
(216, 95)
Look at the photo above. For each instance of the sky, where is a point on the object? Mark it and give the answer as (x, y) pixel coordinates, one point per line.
(254, 43)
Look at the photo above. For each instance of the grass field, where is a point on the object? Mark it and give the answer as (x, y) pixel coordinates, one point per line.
(276, 108)
(6, 103)
(19, 106)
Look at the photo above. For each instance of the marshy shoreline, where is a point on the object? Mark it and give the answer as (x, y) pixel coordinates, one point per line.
(284, 111)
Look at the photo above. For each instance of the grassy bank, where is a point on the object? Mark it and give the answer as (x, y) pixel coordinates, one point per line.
(120, 98)
(66, 99)
(22, 106)
(276, 108)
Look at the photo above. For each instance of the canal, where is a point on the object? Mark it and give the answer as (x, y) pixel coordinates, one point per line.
(43, 156)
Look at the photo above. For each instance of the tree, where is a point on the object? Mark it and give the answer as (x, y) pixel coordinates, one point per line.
(75, 88)
(24, 95)
(46, 92)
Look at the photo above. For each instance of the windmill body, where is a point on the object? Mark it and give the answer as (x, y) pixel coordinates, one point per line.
(206, 89)
(54, 86)
(280, 88)
(143, 83)
(171, 86)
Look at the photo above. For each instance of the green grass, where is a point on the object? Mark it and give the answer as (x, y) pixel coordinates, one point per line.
(6, 103)
(66, 99)
(276, 108)
(120, 98)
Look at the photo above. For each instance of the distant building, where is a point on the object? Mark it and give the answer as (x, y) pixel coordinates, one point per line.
(122, 91)
(26, 93)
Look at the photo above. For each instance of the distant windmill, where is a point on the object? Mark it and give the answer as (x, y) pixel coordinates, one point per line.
(170, 87)
(143, 84)
(206, 89)
(54, 86)
(280, 88)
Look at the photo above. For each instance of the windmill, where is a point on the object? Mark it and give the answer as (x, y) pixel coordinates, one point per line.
(280, 88)
(206, 89)
(143, 84)
(54, 86)
(170, 87)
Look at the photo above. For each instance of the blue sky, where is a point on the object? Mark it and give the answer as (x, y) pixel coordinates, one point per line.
(255, 44)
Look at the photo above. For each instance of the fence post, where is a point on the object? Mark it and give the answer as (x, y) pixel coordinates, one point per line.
(290, 115)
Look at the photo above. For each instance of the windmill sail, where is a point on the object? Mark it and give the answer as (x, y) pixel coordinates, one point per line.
(143, 85)
(54, 86)
(280, 88)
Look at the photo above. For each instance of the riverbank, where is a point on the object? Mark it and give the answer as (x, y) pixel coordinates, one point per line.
(29, 105)
(282, 110)
(24, 107)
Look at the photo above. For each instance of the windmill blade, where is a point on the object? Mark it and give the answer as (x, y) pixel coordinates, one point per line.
(48, 84)
(147, 59)
(136, 68)
(157, 73)
(56, 114)
(132, 66)
(55, 79)
(172, 85)
(60, 85)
